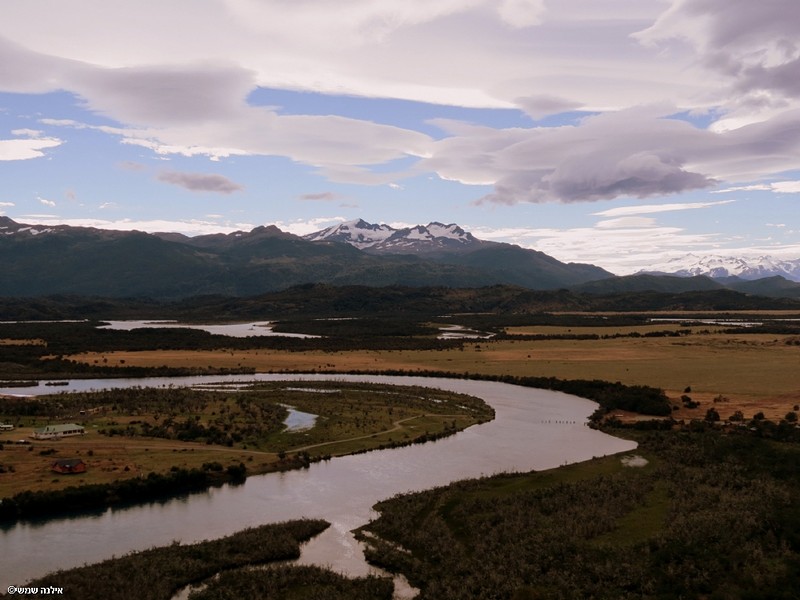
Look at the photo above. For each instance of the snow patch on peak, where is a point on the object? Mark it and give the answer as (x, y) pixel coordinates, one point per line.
(451, 231)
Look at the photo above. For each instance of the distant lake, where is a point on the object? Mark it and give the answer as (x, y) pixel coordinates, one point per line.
(533, 430)
(257, 328)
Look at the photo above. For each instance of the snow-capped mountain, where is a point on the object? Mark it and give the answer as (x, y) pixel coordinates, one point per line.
(9, 227)
(383, 239)
(728, 266)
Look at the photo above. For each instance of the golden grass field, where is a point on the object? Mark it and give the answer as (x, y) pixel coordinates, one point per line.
(755, 372)
(108, 460)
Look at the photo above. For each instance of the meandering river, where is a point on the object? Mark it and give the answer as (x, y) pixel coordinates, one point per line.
(533, 430)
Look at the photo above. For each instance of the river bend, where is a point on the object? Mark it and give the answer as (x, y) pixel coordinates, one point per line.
(533, 430)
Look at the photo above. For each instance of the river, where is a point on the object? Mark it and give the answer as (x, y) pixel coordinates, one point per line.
(533, 430)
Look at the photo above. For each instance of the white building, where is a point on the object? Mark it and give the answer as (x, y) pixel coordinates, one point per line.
(58, 431)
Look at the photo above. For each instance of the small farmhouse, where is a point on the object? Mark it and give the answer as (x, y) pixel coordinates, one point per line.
(58, 431)
(68, 465)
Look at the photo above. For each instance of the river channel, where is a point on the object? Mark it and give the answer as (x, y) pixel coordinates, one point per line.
(533, 430)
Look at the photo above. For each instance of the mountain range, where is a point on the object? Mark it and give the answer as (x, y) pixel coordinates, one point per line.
(720, 267)
(40, 260)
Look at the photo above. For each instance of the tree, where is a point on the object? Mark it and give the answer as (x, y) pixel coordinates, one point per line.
(712, 415)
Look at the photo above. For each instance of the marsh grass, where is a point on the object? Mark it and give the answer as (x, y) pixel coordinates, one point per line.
(158, 573)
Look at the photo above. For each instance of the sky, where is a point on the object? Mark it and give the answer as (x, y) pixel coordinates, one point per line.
(620, 133)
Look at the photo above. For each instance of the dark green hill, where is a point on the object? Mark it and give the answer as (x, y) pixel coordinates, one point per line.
(774, 287)
(528, 268)
(649, 283)
(322, 300)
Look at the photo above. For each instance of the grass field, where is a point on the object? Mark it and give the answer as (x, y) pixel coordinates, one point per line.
(108, 459)
(754, 372)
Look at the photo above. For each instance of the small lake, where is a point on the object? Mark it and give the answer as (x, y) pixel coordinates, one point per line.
(533, 430)
(257, 328)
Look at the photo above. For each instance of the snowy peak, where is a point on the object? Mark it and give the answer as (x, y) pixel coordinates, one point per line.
(357, 233)
(384, 239)
(729, 266)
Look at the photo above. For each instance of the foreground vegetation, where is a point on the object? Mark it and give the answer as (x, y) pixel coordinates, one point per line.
(711, 515)
(159, 573)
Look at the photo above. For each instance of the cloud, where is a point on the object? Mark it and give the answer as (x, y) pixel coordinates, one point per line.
(780, 187)
(387, 49)
(540, 105)
(657, 208)
(188, 227)
(744, 188)
(522, 13)
(32, 133)
(45, 201)
(752, 47)
(325, 196)
(630, 153)
(623, 249)
(626, 223)
(131, 165)
(26, 148)
(306, 226)
(200, 182)
(637, 153)
(732, 56)
(786, 187)
(6, 204)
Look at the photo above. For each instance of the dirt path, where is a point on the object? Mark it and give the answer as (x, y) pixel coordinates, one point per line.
(397, 427)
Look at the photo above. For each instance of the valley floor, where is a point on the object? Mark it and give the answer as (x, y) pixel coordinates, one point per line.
(745, 372)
